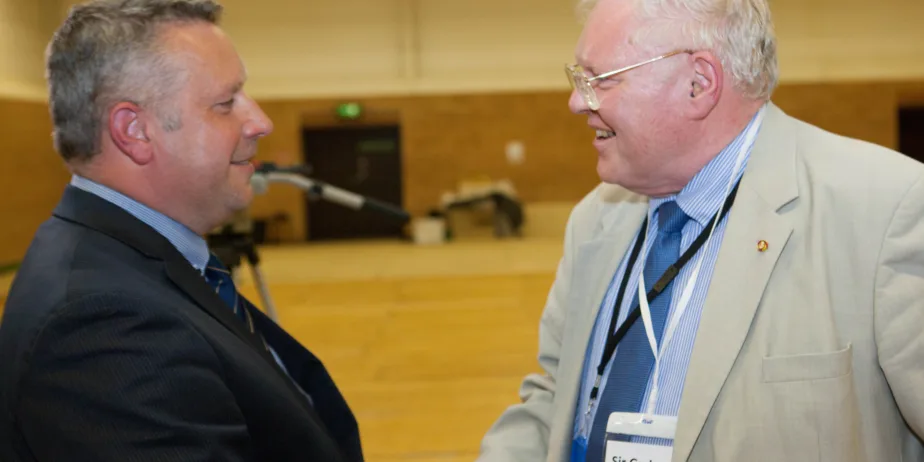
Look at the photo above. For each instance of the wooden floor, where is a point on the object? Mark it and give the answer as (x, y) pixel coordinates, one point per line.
(428, 344)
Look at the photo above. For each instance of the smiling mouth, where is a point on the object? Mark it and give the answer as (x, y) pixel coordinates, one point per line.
(605, 134)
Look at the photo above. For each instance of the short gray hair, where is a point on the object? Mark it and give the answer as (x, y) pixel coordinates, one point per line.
(740, 32)
(109, 51)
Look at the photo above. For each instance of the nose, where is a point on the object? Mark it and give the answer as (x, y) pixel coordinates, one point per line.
(577, 104)
(258, 124)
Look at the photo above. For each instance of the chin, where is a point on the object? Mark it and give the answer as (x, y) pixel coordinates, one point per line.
(238, 199)
(244, 199)
(609, 172)
(623, 177)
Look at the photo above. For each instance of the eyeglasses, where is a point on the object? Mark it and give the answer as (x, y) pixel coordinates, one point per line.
(579, 80)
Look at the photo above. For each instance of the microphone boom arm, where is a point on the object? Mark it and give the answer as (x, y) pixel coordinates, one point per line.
(329, 193)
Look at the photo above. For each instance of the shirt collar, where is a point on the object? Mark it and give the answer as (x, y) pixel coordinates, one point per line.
(192, 246)
(705, 193)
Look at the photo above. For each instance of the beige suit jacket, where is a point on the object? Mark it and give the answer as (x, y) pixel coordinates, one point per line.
(810, 351)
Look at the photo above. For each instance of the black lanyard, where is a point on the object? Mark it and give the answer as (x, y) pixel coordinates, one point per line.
(613, 338)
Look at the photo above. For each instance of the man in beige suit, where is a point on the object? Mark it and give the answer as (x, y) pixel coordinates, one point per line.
(793, 332)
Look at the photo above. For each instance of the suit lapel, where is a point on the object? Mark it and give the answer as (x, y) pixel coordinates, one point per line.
(193, 284)
(594, 265)
(89, 210)
(308, 373)
(741, 274)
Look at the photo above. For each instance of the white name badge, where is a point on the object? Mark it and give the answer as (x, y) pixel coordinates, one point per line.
(638, 425)
(618, 451)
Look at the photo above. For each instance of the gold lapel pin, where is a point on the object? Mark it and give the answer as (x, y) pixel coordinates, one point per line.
(762, 245)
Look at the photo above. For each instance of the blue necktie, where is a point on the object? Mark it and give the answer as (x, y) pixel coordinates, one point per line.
(219, 277)
(633, 362)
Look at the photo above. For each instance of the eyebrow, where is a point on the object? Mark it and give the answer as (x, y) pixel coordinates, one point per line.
(237, 87)
(240, 83)
(243, 80)
(233, 89)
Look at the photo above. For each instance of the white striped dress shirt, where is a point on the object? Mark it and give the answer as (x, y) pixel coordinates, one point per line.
(700, 200)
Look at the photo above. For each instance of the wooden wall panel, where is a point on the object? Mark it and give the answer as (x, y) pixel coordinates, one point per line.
(445, 139)
(32, 176)
(453, 137)
(867, 111)
(24, 31)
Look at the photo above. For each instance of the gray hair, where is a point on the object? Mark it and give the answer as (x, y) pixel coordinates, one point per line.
(108, 51)
(739, 32)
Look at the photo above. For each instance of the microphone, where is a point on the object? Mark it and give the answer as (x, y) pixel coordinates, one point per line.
(271, 167)
(260, 184)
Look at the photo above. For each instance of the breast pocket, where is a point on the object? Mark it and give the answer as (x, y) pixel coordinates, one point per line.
(809, 408)
(817, 366)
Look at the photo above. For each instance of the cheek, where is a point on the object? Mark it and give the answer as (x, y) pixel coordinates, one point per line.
(228, 136)
(218, 134)
(213, 159)
(207, 158)
(630, 116)
(628, 105)
(650, 117)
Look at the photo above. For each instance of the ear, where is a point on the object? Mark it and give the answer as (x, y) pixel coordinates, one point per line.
(705, 84)
(128, 128)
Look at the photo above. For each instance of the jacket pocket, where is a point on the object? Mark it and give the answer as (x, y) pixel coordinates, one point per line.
(816, 366)
(809, 408)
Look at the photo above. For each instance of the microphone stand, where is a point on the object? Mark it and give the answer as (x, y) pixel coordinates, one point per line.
(242, 242)
(317, 189)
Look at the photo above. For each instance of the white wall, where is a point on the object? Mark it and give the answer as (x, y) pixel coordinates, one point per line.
(305, 48)
(343, 47)
(317, 46)
(401, 46)
(507, 43)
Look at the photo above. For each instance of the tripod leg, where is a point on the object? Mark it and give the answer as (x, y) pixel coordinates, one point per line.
(264, 292)
(254, 260)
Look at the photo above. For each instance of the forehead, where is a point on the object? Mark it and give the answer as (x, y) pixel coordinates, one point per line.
(607, 35)
(203, 49)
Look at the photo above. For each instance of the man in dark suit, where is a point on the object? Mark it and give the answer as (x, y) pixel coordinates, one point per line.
(123, 337)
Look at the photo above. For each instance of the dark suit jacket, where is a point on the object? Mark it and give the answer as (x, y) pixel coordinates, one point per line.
(114, 348)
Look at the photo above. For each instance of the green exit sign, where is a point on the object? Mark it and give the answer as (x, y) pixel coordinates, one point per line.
(350, 111)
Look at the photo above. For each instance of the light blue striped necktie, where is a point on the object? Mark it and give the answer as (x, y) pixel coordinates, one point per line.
(633, 361)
